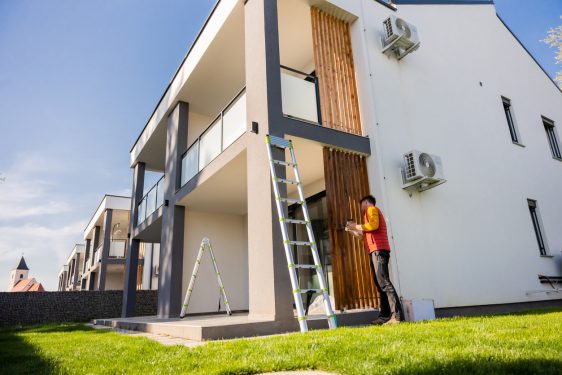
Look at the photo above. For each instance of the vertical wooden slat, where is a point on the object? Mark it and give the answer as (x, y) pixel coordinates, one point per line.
(346, 183)
(336, 72)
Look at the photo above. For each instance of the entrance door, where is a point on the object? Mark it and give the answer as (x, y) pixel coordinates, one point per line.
(318, 211)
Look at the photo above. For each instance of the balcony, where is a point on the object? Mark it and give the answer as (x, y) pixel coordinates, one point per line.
(226, 128)
(300, 96)
(151, 201)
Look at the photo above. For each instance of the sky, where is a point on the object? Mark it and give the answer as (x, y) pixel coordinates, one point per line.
(78, 81)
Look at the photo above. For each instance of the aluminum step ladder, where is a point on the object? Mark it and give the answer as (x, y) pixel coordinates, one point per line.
(281, 202)
(205, 244)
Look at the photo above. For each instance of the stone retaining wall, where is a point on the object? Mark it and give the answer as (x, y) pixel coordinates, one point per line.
(76, 306)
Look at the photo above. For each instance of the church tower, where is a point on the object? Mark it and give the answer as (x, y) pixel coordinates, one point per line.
(19, 273)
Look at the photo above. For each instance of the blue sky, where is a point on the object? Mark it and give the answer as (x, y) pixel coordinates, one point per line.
(78, 80)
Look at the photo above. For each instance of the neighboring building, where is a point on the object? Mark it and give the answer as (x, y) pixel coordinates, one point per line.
(20, 282)
(70, 276)
(470, 94)
(63, 276)
(106, 244)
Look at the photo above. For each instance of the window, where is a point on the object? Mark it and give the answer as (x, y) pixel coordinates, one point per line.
(533, 209)
(551, 135)
(510, 120)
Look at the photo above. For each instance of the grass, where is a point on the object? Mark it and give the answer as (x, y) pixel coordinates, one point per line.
(529, 343)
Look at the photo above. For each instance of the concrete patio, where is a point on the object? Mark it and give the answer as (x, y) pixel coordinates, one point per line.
(215, 327)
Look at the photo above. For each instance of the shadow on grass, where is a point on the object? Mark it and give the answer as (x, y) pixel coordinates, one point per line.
(19, 357)
(46, 328)
(487, 366)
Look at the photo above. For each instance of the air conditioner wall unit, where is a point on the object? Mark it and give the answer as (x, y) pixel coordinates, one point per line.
(400, 37)
(422, 171)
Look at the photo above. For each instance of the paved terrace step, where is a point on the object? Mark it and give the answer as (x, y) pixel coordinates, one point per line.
(215, 327)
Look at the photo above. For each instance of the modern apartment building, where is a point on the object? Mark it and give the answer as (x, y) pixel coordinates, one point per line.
(106, 244)
(317, 72)
(70, 276)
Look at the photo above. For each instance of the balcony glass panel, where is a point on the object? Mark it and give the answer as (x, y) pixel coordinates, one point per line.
(190, 164)
(210, 144)
(234, 121)
(151, 201)
(142, 211)
(117, 248)
(160, 193)
(298, 94)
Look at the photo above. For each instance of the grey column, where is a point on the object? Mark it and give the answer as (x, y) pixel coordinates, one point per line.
(96, 242)
(76, 268)
(171, 244)
(268, 279)
(132, 262)
(105, 248)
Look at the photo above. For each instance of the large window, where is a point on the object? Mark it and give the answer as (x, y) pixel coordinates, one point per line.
(552, 139)
(535, 218)
(510, 120)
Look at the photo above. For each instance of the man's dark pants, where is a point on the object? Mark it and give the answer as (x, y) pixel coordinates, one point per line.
(390, 303)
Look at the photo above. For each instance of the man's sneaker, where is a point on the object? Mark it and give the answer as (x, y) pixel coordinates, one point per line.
(380, 320)
(392, 321)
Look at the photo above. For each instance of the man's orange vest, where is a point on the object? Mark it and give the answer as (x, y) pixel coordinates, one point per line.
(377, 239)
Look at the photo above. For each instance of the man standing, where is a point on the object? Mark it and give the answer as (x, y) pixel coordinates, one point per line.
(377, 246)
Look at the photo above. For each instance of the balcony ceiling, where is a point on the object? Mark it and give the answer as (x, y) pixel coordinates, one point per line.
(216, 78)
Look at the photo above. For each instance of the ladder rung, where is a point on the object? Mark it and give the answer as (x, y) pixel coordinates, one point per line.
(293, 221)
(285, 163)
(287, 181)
(317, 317)
(290, 200)
(311, 266)
(300, 243)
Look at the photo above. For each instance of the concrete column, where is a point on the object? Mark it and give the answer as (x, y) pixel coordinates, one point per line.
(76, 268)
(96, 241)
(107, 225)
(269, 285)
(171, 244)
(147, 266)
(132, 262)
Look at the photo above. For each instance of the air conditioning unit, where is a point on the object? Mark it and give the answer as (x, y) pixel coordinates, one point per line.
(422, 171)
(399, 37)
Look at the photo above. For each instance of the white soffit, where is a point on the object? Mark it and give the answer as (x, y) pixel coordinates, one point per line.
(210, 31)
(333, 10)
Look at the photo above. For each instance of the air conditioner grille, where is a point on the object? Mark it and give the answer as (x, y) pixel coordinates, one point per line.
(388, 28)
(410, 165)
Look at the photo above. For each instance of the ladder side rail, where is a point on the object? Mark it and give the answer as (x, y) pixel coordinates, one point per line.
(284, 232)
(314, 249)
(219, 278)
(192, 280)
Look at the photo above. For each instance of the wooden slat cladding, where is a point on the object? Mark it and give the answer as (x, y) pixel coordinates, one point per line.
(346, 184)
(336, 72)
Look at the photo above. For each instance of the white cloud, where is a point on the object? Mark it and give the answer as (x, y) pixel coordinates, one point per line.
(45, 249)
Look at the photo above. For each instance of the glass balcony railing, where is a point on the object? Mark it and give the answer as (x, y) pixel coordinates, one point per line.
(300, 95)
(118, 249)
(151, 201)
(227, 127)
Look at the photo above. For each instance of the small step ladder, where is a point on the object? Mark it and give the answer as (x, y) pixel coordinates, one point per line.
(280, 201)
(205, 244)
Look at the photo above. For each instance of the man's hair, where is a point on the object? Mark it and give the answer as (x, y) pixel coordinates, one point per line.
(370, 199)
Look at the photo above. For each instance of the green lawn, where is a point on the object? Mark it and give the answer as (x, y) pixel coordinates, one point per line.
(529, 343)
